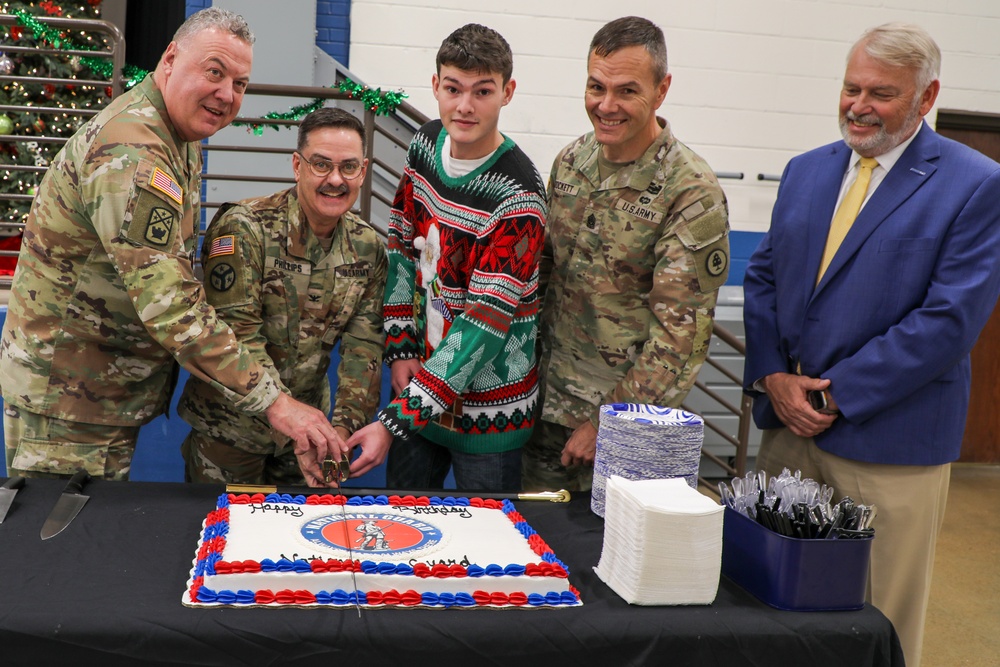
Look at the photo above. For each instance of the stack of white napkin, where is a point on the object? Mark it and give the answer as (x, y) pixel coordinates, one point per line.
(638, 441)
(662, 542)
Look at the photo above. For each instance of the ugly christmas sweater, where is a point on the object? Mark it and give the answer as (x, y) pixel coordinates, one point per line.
(462, 297)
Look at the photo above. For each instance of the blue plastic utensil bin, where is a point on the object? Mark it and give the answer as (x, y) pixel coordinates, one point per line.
(794, 574)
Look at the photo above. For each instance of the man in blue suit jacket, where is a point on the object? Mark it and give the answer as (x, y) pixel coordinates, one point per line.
(883, 335)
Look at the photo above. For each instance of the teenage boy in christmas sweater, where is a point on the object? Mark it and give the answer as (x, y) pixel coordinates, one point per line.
(461, 302)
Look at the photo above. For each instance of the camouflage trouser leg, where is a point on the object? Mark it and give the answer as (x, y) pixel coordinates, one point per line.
(218, 459)
(540, 466)
(40, 446)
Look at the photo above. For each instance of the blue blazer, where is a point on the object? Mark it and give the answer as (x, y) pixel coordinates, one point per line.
(899, 309)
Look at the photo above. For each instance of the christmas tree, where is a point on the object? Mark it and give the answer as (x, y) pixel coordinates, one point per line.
(49, 97)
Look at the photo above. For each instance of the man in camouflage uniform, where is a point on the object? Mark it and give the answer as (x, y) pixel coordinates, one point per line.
(293, 273)
(636, 250)
(104, 302)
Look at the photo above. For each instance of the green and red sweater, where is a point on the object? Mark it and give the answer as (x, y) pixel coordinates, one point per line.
(462, 296)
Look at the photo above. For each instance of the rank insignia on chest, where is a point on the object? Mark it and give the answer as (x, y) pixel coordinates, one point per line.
(161, 221)
(314, 299)
(162, 181)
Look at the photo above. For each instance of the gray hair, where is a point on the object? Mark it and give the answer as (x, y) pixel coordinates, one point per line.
(633, 31)
(903, 45)
(220, 19)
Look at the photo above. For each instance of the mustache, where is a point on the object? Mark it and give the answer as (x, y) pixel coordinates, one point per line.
(328, 189)
(868, 118)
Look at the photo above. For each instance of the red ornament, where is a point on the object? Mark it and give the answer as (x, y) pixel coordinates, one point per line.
(107, 91)
(15, 32)
(50, 90)
(51, 8)
(8, 264)
(93, 3)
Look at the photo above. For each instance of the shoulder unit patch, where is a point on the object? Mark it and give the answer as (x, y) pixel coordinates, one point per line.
(159, 225)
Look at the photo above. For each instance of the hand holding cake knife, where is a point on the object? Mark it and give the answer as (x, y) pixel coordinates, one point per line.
(343, 470)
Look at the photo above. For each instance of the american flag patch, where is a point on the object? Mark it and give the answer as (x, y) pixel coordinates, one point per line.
(224, 245)
(161, 181)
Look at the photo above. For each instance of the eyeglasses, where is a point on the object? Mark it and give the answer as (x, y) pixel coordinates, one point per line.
(349, 169)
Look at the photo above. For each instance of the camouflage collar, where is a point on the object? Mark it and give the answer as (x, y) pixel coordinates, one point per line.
(148, 88)
(302, 243)
(636, 176)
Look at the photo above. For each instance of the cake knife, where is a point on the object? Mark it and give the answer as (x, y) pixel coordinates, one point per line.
(343, 470)
(560, 496)
(67, 507)
(7, 493)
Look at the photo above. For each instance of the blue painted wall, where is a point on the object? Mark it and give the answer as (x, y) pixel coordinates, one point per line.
(333, 28)
(194, 5)
(741, 246)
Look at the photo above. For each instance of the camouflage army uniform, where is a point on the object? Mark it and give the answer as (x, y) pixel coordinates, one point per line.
(634, 266)
(289, 302)
(104, 299)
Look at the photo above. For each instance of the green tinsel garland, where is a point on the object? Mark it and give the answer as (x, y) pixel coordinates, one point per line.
(104, 68)
(294, 113)
(379, 102)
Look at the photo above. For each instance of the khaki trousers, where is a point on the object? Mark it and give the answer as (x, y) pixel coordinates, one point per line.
(911, 503)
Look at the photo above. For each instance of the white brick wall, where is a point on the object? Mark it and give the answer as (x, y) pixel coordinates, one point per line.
(755, 81)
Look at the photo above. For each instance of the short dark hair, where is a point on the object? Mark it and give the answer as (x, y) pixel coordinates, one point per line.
(633, 31)
(476, 48)
(330, 117)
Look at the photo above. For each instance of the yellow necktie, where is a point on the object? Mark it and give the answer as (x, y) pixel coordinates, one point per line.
(847, 212)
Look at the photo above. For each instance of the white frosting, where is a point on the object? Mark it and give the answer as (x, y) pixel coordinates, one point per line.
(473, 534)
(411, 535)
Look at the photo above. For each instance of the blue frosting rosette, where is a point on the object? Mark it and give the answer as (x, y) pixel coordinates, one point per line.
(637, 441)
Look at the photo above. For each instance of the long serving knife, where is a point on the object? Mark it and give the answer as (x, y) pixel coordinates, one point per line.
(343, 470)
(67, 507)
(560, 496)
(7, 493)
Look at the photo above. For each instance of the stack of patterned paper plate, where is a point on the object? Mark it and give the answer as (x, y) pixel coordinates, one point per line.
(662, 543)
(645, 442)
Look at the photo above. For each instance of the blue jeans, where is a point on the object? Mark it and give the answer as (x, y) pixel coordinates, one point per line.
(418, 463)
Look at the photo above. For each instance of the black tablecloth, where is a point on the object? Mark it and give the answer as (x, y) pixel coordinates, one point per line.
(108, 589)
